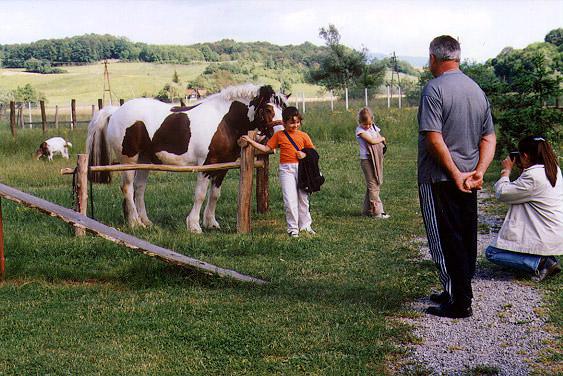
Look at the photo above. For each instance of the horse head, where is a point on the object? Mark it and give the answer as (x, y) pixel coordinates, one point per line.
(267, 106)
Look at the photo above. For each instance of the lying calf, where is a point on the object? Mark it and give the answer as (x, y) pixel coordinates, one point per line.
(53, 146)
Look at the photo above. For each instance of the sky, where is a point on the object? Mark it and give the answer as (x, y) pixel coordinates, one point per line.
(483, 28)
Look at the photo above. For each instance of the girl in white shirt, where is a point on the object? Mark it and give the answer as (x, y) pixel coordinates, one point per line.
(371, 162)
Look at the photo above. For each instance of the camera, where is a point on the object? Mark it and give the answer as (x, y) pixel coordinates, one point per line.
(514, 155)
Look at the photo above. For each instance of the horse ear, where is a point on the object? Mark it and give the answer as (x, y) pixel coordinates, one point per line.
(288, 95)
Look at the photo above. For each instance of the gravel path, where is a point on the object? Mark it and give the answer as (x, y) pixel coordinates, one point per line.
(503, 336)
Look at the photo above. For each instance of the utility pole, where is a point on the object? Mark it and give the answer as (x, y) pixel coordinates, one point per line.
(395, 71)
(107, 87)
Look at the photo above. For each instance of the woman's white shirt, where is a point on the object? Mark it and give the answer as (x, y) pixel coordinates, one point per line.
(534, 222)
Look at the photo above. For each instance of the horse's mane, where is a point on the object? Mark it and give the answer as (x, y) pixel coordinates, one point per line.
(241, 92)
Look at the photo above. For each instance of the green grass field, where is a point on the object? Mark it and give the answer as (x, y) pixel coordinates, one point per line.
(88, 306)
(128, 80)
(86, 83)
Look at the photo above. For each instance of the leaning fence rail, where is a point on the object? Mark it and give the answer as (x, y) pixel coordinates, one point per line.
(110, 233)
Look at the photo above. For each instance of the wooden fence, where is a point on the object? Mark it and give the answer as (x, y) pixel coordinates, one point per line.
(246, 165)
(22, 115)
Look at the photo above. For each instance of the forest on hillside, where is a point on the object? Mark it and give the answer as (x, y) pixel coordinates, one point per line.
(90, 48)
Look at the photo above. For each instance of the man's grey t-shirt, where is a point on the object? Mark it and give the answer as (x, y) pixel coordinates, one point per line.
(454, 105)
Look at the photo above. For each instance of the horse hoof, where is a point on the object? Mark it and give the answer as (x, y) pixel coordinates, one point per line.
(195, 230)
(137, 225)
(146, 222)
(212, 223)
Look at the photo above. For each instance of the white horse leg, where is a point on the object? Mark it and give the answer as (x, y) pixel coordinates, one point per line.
(139, 185)
(129, 209)
(192, 221)
(209, 220)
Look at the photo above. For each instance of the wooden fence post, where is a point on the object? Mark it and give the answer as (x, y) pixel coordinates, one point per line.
(22, 122)
(100, 104)
(93, 110)
(245, 186)
(43, 116)
(400, 98)
(262, 185)
(72, 113)
(13, 118)
(29, 113)
(2, 261)
(81, 190)
(57, 116)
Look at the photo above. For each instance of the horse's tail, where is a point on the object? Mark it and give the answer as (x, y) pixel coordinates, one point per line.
(97, 146)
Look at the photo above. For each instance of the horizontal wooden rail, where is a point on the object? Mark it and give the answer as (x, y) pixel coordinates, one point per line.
(110, 233)
(169, 168)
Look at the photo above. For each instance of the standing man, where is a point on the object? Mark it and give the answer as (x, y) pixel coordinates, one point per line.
(456, 144)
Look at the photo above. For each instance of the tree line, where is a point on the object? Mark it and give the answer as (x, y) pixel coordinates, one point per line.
(90, 48)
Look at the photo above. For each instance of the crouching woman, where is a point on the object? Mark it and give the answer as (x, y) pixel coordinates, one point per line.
(532, 233)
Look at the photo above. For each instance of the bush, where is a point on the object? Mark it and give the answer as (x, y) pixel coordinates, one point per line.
(41, 66)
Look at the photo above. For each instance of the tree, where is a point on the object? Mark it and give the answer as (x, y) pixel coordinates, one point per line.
(27, 93)
(342, 67)
(523, 106)
(169, 92)
(372, 75)
(485, 77)
(555, 37)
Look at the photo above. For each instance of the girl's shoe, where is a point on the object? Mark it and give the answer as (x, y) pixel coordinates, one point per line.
(309, 230)
(382, 216)
(293, 234)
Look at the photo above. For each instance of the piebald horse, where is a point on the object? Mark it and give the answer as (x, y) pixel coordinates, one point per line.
(149, 131)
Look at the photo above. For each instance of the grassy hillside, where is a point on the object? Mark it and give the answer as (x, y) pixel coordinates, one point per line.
(86, 83)
(128, 80)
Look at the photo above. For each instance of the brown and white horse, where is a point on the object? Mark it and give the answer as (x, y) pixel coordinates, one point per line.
(148, 131)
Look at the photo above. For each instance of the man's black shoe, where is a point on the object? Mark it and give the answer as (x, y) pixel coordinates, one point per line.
(549, 268)
(440, 298)
(450, 311)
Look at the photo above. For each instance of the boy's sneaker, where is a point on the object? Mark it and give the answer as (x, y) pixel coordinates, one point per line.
(293, 234)
(382, 216)
(309, 230)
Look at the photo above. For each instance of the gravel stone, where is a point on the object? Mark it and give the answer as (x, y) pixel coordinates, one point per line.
(504, 334)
